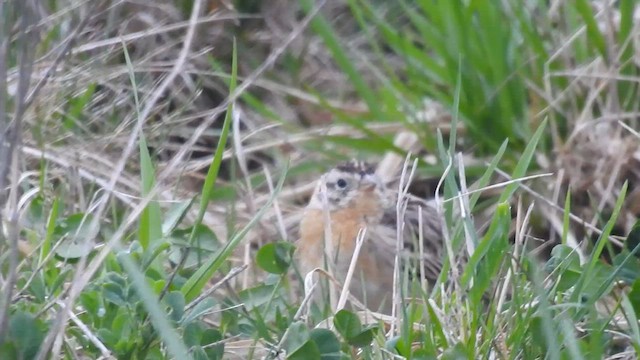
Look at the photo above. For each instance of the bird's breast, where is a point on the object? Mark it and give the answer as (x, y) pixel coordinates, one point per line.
(345, 226)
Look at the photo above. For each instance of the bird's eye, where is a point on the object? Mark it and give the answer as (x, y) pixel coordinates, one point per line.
(342, 183)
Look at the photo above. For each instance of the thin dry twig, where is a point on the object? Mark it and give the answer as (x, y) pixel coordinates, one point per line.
(401, 207)
(344, 294)
(4, 119)
(64, 51)
(572, 216)
(155, 32)
(465, 210)
(10, 141)
(88, 333)
(232, 273)
(329, 252)
(282, 228)
(238, 148)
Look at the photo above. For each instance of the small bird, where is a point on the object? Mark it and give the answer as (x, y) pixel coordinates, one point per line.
(353, 197)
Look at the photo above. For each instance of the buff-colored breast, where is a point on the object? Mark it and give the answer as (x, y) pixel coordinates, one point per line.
(373, 276)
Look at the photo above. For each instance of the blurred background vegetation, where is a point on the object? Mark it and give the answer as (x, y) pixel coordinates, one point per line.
(154, 152)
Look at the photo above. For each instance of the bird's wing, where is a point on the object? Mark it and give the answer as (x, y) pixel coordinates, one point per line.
(432, 238)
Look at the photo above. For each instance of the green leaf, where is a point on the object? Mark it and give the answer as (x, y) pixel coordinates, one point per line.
(209, 337)
(600, 282)
(199, 353)
(122, 323)
(27, 336)
(633, 238)
(377, 145)
(457, 352)
(486, 176)
(275, 258)
(108, 337)
(114, 293)
(200, 309)
(308, 351)
(438, 328)
(365, 337)
(628, 267)
(256, 296)
(157, 316)
(297, 342)
(175, 214)
(347, 323)
(75, 236)
(630, 310)
(634, 297)
(192, 334)
(327, 343)
(200, 242)
(91, 302)
(175, 301)
(565, 264)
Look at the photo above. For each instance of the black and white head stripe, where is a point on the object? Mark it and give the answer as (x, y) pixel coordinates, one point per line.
(356, 167)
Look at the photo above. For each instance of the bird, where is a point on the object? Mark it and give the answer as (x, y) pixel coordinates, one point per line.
(352, 197)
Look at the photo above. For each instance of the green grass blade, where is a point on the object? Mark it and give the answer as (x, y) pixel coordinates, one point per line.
(603, 240)
(212, 173)
(340, 55)
(486, 176)
(488, 256)
(196, 282)
(150, 222)
(157, 315)
(632, 320)
(45, 249)
(523, 164)
(593, 32)
(214, 168)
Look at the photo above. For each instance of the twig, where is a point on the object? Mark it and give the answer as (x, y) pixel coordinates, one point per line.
(465, 210)
(250, 197)
(276, 205)
(440, 209)
(401, 207)
(572, 216)
(235, 271)
(69, 42)
(328, 250)
(495, 186)
(9, 157)
(352, 267)
(4, 120)
(85, 330)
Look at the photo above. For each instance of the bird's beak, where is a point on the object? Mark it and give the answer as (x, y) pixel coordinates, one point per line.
(368, 183)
